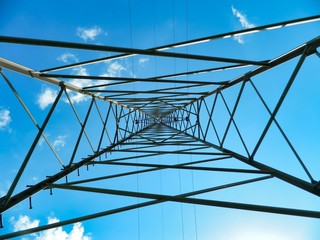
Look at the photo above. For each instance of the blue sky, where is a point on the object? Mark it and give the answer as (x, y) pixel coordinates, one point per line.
(142, 25)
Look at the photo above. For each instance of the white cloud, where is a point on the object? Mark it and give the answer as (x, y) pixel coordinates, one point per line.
(46, 98)
(77, 97)
(239, 39)
(41, 141)
(68, 58)
(59, 142)
(89, 33)
(142, 61)
(54, 233)
(242, 18)
(82, 71)
(24, 222)
(243, 21)
(77, 232)
(5, 118)
(114, 69)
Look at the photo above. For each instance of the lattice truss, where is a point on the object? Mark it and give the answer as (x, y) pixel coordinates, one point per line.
(137, 136)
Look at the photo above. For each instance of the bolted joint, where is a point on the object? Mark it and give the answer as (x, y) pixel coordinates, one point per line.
(316, 185)
(313, 45)
(62, 86)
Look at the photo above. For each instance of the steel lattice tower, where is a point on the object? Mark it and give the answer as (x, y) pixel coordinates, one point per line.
(129, 129)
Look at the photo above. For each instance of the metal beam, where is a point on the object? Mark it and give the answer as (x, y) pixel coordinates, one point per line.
(129, 80)
(205, 202)
(73, 45)
(141, 171)
(198, 41)
(123, 209)
(214, 169)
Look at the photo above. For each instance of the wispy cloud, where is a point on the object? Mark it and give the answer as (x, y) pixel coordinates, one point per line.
(239, 39)
(243, 21)
(89, 33)
(77, 97)
(114, 69)
(25, 222)
(68, 58)
(5, 119)
(59, 142)
(41, 141)
(46, 97)
(242, 18)
(143, 61)
(81, 71)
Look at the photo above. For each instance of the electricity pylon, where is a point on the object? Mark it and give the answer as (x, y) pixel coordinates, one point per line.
(190, 117)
